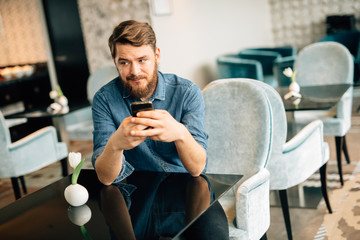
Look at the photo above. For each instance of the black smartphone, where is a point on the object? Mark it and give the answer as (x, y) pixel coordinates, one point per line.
(140, 106)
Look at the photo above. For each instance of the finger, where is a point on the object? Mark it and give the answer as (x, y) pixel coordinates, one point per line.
(148, 122)
(145, 133)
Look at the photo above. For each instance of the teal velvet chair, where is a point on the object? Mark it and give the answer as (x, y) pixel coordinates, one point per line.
(293, 161)
(324, 63)
(231, 66)
(239, 123)
(29, 154)
(266, 59)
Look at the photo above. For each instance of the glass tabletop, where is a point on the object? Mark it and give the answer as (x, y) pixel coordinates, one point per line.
(158, 204)
(315, 97)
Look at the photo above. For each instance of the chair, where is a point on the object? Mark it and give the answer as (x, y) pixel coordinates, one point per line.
(80, 124)
(99, 78)
(240, 143)
(29, 154)
(266, 59)
(284, 51)
(231, 66)
(324, 63)
(292, 162)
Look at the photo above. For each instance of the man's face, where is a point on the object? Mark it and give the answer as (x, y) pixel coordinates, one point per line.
(137, 67)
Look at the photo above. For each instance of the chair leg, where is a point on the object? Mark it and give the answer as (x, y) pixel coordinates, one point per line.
(15, 184)
(345, 150)
(264, 237)
(338, 157)
(286, 213)
(64, 166)
(323, 177)
(22, 181)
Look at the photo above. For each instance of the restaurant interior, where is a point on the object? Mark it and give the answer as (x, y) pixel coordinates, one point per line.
(54, 56)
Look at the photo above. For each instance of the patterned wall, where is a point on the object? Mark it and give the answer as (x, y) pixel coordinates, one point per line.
(98, 18)
(21, 37)
(301, 22)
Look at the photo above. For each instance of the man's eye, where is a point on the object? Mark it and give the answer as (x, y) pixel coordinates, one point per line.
(124, 63)
(142, 60)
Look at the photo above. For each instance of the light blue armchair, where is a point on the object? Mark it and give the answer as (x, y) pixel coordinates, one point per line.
(292, 162)
(325, 63)
(239, 124)
(29, 154)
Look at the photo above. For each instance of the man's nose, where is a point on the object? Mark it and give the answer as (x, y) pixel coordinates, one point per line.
(135, 68)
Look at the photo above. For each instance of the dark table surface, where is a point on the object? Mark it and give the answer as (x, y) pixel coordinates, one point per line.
(44, 214)
(315, 97)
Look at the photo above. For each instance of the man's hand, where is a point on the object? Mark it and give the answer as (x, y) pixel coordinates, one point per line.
(162, 126)
(123, 140)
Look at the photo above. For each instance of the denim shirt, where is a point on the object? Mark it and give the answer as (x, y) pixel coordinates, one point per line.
(180, 97)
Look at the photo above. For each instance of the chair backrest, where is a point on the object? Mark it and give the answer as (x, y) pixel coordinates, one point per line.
(5, 139)
(266, 58)
(324, 63)
(99, 78)
(234, 67)
(284, 51)
(239, 124)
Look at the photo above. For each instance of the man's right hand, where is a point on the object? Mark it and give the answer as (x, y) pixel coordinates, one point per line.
(122, 140)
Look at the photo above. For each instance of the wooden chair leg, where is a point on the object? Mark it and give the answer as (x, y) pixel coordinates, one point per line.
(64, 166)
(15, 184)
(338, 141)
(22, 181)
(286, 213)
(323, 178)
(345, 150)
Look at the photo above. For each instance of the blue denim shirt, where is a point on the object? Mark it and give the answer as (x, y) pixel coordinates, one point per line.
(180, 97)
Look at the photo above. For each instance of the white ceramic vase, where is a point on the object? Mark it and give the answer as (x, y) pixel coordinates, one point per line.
(76, 195)
(79, 215)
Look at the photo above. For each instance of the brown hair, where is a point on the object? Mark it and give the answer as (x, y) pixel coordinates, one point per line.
(134, 33)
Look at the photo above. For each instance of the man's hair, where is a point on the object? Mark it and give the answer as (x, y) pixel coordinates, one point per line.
(134, 33)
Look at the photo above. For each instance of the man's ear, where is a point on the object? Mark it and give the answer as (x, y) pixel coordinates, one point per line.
(157, 55)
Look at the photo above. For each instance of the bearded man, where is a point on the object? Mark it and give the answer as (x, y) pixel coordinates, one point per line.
(171, 137)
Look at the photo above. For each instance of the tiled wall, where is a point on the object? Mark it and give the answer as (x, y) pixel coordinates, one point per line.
(98, 18)
(21, 37)
(301, 22)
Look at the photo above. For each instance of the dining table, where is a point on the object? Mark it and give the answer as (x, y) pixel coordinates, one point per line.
(316, 97)
(145, 205)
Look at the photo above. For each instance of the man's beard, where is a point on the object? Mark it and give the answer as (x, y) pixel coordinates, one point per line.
(143, 92)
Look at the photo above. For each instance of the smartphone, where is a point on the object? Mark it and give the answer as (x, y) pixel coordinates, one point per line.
(140, 106)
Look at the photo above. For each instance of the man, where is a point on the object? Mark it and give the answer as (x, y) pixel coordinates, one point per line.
(169, 138)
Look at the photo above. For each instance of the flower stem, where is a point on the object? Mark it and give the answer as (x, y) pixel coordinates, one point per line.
(76, 172)
(85, 233)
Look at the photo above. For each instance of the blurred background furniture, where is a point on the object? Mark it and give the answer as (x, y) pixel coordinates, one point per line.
(266, 59)
(79, 123)
(325, 63)
(231, 66)
(294, 161)
(29, 154)
(240, 146)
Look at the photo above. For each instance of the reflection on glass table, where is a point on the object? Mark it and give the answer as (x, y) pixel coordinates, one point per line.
(170, 202)
(158, 206)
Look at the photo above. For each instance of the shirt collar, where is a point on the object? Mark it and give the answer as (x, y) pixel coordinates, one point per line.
(159, 91)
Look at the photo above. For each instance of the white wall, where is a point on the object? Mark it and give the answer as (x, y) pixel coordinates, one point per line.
(198, 31)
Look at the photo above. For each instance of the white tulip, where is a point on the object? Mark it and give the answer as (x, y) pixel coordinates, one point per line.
(63, 101)
(74, 159)
(288, 72)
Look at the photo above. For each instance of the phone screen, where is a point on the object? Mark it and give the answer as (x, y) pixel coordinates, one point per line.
(140, 106)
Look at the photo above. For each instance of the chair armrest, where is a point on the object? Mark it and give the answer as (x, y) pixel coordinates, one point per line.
(252, 205)
(46, 132)
(313, 128)
(305, 151)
